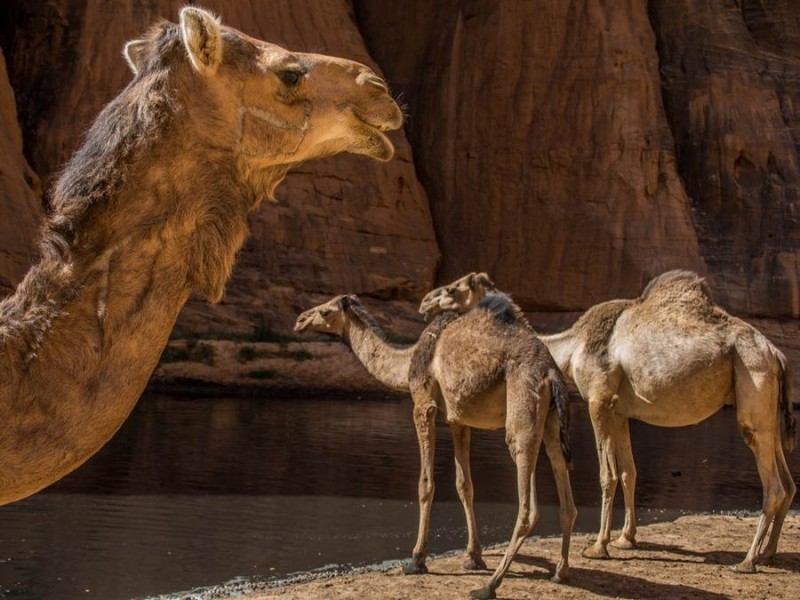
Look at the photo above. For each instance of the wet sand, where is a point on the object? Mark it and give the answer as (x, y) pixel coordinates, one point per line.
(686, 558)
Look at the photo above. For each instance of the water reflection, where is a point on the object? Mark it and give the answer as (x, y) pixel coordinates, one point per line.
(197, 491)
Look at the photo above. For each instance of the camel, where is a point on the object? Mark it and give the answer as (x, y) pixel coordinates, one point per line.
(670, 358)
(152, 207)
(481, 370)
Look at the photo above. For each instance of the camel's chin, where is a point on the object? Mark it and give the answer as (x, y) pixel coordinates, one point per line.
(372, 142)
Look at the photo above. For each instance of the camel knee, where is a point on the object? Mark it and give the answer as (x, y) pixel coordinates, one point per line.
(426, 489)
(464, 489)
(526, 521)
(608, 481)
(567, 516)
(628, 478)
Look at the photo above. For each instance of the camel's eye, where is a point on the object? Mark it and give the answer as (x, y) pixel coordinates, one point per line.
(324, 313)
(291, 77)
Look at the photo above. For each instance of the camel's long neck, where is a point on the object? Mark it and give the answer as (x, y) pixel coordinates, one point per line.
(388, 363)
(80, 338)
(562, 346)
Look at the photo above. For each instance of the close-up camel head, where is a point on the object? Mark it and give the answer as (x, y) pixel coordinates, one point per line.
(458, 296)
(267, 104)
(326, 318)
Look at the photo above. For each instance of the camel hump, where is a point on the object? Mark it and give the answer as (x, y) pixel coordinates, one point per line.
(597, 324)
(503, 307)
(676, 284)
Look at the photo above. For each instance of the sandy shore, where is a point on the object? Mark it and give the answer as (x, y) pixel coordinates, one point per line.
(686, 558)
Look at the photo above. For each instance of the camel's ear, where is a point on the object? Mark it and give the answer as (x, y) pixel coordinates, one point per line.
(344, 303)
(133, 52)
(202, 37)
(481, 279)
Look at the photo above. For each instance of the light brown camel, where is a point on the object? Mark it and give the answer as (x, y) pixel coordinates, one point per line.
(152, 207)
(482, 370)
(669, 358)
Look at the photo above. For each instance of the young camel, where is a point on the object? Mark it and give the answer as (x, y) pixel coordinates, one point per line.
(482, 370)
(669, 358)
(152, 207)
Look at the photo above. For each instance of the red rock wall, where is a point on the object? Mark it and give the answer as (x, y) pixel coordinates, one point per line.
(731, 85)
(573, 150)
(20, 194)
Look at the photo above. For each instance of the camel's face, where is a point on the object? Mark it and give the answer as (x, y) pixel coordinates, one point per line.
(272, 106)
(459, 296)
(325, 318)
(269, 106)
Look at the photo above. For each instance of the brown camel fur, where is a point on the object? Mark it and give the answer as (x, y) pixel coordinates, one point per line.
(669, 358)
(153, 206)
(481, 370)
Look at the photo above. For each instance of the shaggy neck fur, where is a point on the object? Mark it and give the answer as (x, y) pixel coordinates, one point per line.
(145, 212)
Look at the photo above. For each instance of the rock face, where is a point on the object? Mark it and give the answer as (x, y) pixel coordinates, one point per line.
(575, 152)
(20, 194)
(547, 155)
(731, 85)
(572, 151)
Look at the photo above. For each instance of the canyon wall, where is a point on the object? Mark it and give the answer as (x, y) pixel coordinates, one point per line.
(571, 149)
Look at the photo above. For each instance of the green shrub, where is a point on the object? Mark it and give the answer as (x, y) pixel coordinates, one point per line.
(301, 355)
(262, 374)
(247, 353)
(192, 352)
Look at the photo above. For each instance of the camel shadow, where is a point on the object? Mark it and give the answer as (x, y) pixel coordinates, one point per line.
(789, 561)
(618, 585)
(613, 585)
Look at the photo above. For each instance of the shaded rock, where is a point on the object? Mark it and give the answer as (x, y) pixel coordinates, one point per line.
(731, 85)
(20, 194)
(546, 154)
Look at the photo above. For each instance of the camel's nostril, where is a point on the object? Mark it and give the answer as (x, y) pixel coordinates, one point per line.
(369, 78)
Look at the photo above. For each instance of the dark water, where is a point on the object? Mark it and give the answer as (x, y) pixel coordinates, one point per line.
(196, 491)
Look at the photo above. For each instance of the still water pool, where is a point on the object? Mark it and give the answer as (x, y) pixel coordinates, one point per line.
(196, 491)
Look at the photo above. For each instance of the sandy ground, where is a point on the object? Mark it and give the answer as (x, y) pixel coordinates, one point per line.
(686, 558)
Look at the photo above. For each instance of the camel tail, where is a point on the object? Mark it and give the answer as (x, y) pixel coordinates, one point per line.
(560, 393)
(785, 404)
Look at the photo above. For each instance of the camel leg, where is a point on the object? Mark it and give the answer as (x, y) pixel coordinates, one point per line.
(627, 477)
(461, 440)
(425, 424)
(605, 440)
(763, 445)
(789, 485)
(757, 416)
(566, 504)
(524, 429)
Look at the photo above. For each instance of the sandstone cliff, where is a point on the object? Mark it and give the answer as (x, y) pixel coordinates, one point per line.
(571, 150)
(20, 194)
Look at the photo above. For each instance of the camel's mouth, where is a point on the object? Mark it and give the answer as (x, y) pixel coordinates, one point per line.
(372, 141)
(371, 123)
(302, 324)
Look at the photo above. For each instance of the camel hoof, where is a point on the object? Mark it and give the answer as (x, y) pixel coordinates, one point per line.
(475, 564)
(412, 568)
(623, 543)
(744, 567)
(597, 551)
(484, 593)
(561, 577)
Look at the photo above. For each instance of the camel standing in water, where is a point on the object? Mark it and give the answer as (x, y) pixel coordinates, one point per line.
(153, 206)
(670, 358)
(482, 370)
